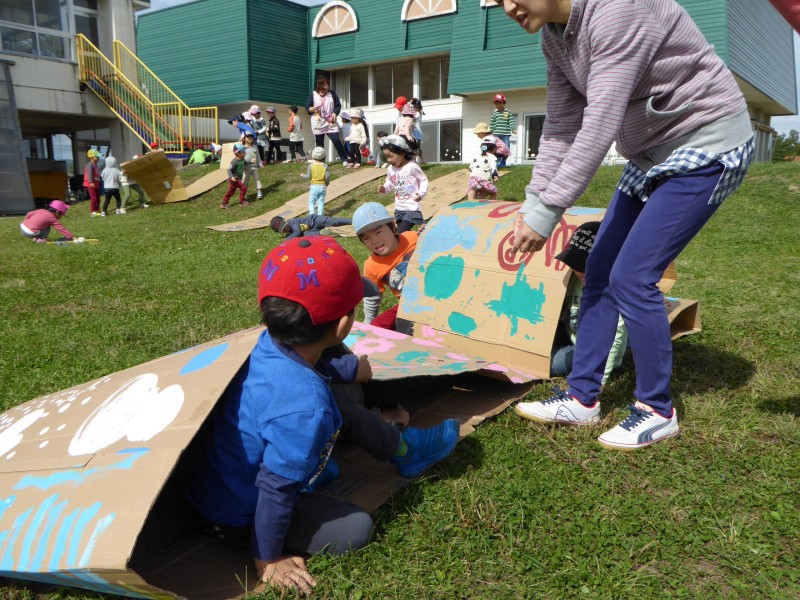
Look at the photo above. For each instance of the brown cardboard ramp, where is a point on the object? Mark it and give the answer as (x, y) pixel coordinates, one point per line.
(299, 205)
(211, 180)
(157, 176)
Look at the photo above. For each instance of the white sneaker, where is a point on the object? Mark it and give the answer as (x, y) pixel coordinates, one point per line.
(259, 195)
(103, 214)
(288, 161)
(122, 211)
(640, 429)
(344, 164)
(117, 212)
(559, 408)
(145, 205)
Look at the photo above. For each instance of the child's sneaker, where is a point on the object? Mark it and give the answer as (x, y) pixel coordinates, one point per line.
(640, 429)
(122, 211)
(559, 408)
(103, 214)
(345, 164)
(244, 203)
(356, 165)
(145, 205)
(288, 161)
(94, 214)
(117, 212)
(426, 447)
(259, 195)
(224, 205)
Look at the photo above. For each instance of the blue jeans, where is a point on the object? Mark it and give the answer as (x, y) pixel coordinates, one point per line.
(316, 198)
(635, 244)
(501, 160)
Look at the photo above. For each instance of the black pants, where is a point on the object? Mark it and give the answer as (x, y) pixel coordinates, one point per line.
(354, 151)
(112, 192)
(296, 147)
(274, 150)
(319, 139)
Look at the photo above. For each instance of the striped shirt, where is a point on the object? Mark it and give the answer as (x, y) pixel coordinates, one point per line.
(502, 122)
(638, 73)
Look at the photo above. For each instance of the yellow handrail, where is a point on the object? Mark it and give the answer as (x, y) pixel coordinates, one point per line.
(167, 120)
(202, 123)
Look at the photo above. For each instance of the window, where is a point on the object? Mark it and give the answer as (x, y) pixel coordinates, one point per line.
(38, 27)
(333, 18)
(533, 134)
(359, 87)
(392, 81)
(422, 9)
(433, 73)
(441, 141)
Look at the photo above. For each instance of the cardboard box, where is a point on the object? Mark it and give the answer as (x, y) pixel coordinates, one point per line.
(93, 476)
(465, 286)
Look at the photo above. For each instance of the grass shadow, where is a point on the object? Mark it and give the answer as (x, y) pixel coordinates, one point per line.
(782, 406)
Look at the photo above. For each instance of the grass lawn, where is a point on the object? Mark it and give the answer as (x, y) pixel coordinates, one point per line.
(519, 510)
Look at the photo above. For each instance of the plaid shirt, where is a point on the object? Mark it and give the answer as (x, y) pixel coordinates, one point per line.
(638, 184)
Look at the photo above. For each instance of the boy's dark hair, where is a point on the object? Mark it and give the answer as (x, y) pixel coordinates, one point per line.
(381, 134)
(290, 324)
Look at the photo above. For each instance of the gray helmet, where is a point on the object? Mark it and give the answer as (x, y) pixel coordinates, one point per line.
(369, 216)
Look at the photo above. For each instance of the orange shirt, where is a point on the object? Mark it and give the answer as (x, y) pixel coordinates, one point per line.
(378, 268)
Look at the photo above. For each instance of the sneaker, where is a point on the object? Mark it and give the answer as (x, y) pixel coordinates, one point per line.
(103, 214)
(122, 211)
(356, 166)
(224, 205)
(94, 214)
(259, 195)
(40, 240)
(345, 164)
(426, 447)
(244, 203)
(288, 161)
(559, 408)
(117, 212)
(145, 205)
(640, 429)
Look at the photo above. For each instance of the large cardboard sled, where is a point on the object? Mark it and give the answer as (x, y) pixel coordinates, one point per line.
(93, 476)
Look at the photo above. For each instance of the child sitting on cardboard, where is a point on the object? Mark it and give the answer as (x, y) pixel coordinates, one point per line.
(567, 330)
(388, 259)
(269, 439)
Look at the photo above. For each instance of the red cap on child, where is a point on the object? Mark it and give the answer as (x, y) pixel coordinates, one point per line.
(499, 98)
(317, 273)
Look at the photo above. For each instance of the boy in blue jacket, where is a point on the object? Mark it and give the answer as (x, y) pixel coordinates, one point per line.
(268, 442)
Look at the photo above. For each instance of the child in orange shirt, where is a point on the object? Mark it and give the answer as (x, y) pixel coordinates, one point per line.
(388, 259)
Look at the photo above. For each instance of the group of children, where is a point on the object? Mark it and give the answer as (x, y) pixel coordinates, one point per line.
(108, 180)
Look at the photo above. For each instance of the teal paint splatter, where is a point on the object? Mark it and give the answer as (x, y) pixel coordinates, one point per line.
(466, 204)
(444, 276)
(477, 273)
(519, 301)
(461, 323)
(445, 234)
(413, 356)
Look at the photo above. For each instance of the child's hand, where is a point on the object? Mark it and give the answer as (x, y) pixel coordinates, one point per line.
(417, 197)
(286, 572)
(364, 372)
(381, 189)
(495, 178)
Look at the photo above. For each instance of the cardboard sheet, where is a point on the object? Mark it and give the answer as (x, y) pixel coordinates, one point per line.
(464, 285)
(93, 479)
(299, 205)
(211, 180)
(157, 176)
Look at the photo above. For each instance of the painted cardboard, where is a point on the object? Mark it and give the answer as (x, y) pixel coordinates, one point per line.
(299, 205)
(157, 176)
(464, 285)
(93, 481)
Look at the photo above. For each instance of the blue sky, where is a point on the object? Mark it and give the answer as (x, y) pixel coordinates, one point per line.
(782, 124)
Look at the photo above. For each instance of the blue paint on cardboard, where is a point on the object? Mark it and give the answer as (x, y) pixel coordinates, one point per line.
(461, 323)
(444, 276)
(78, 476)
(205, 358)
(417, 356)
(519, 301)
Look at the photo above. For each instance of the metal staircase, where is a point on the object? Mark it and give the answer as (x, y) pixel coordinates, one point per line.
(142, 101)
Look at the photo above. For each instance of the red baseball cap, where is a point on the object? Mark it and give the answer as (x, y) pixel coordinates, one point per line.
(499, 98)
(154, 145)
(317, 273)
(400, 102)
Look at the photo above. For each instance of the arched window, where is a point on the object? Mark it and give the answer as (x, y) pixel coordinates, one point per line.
(334, 18)
(422, 9)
